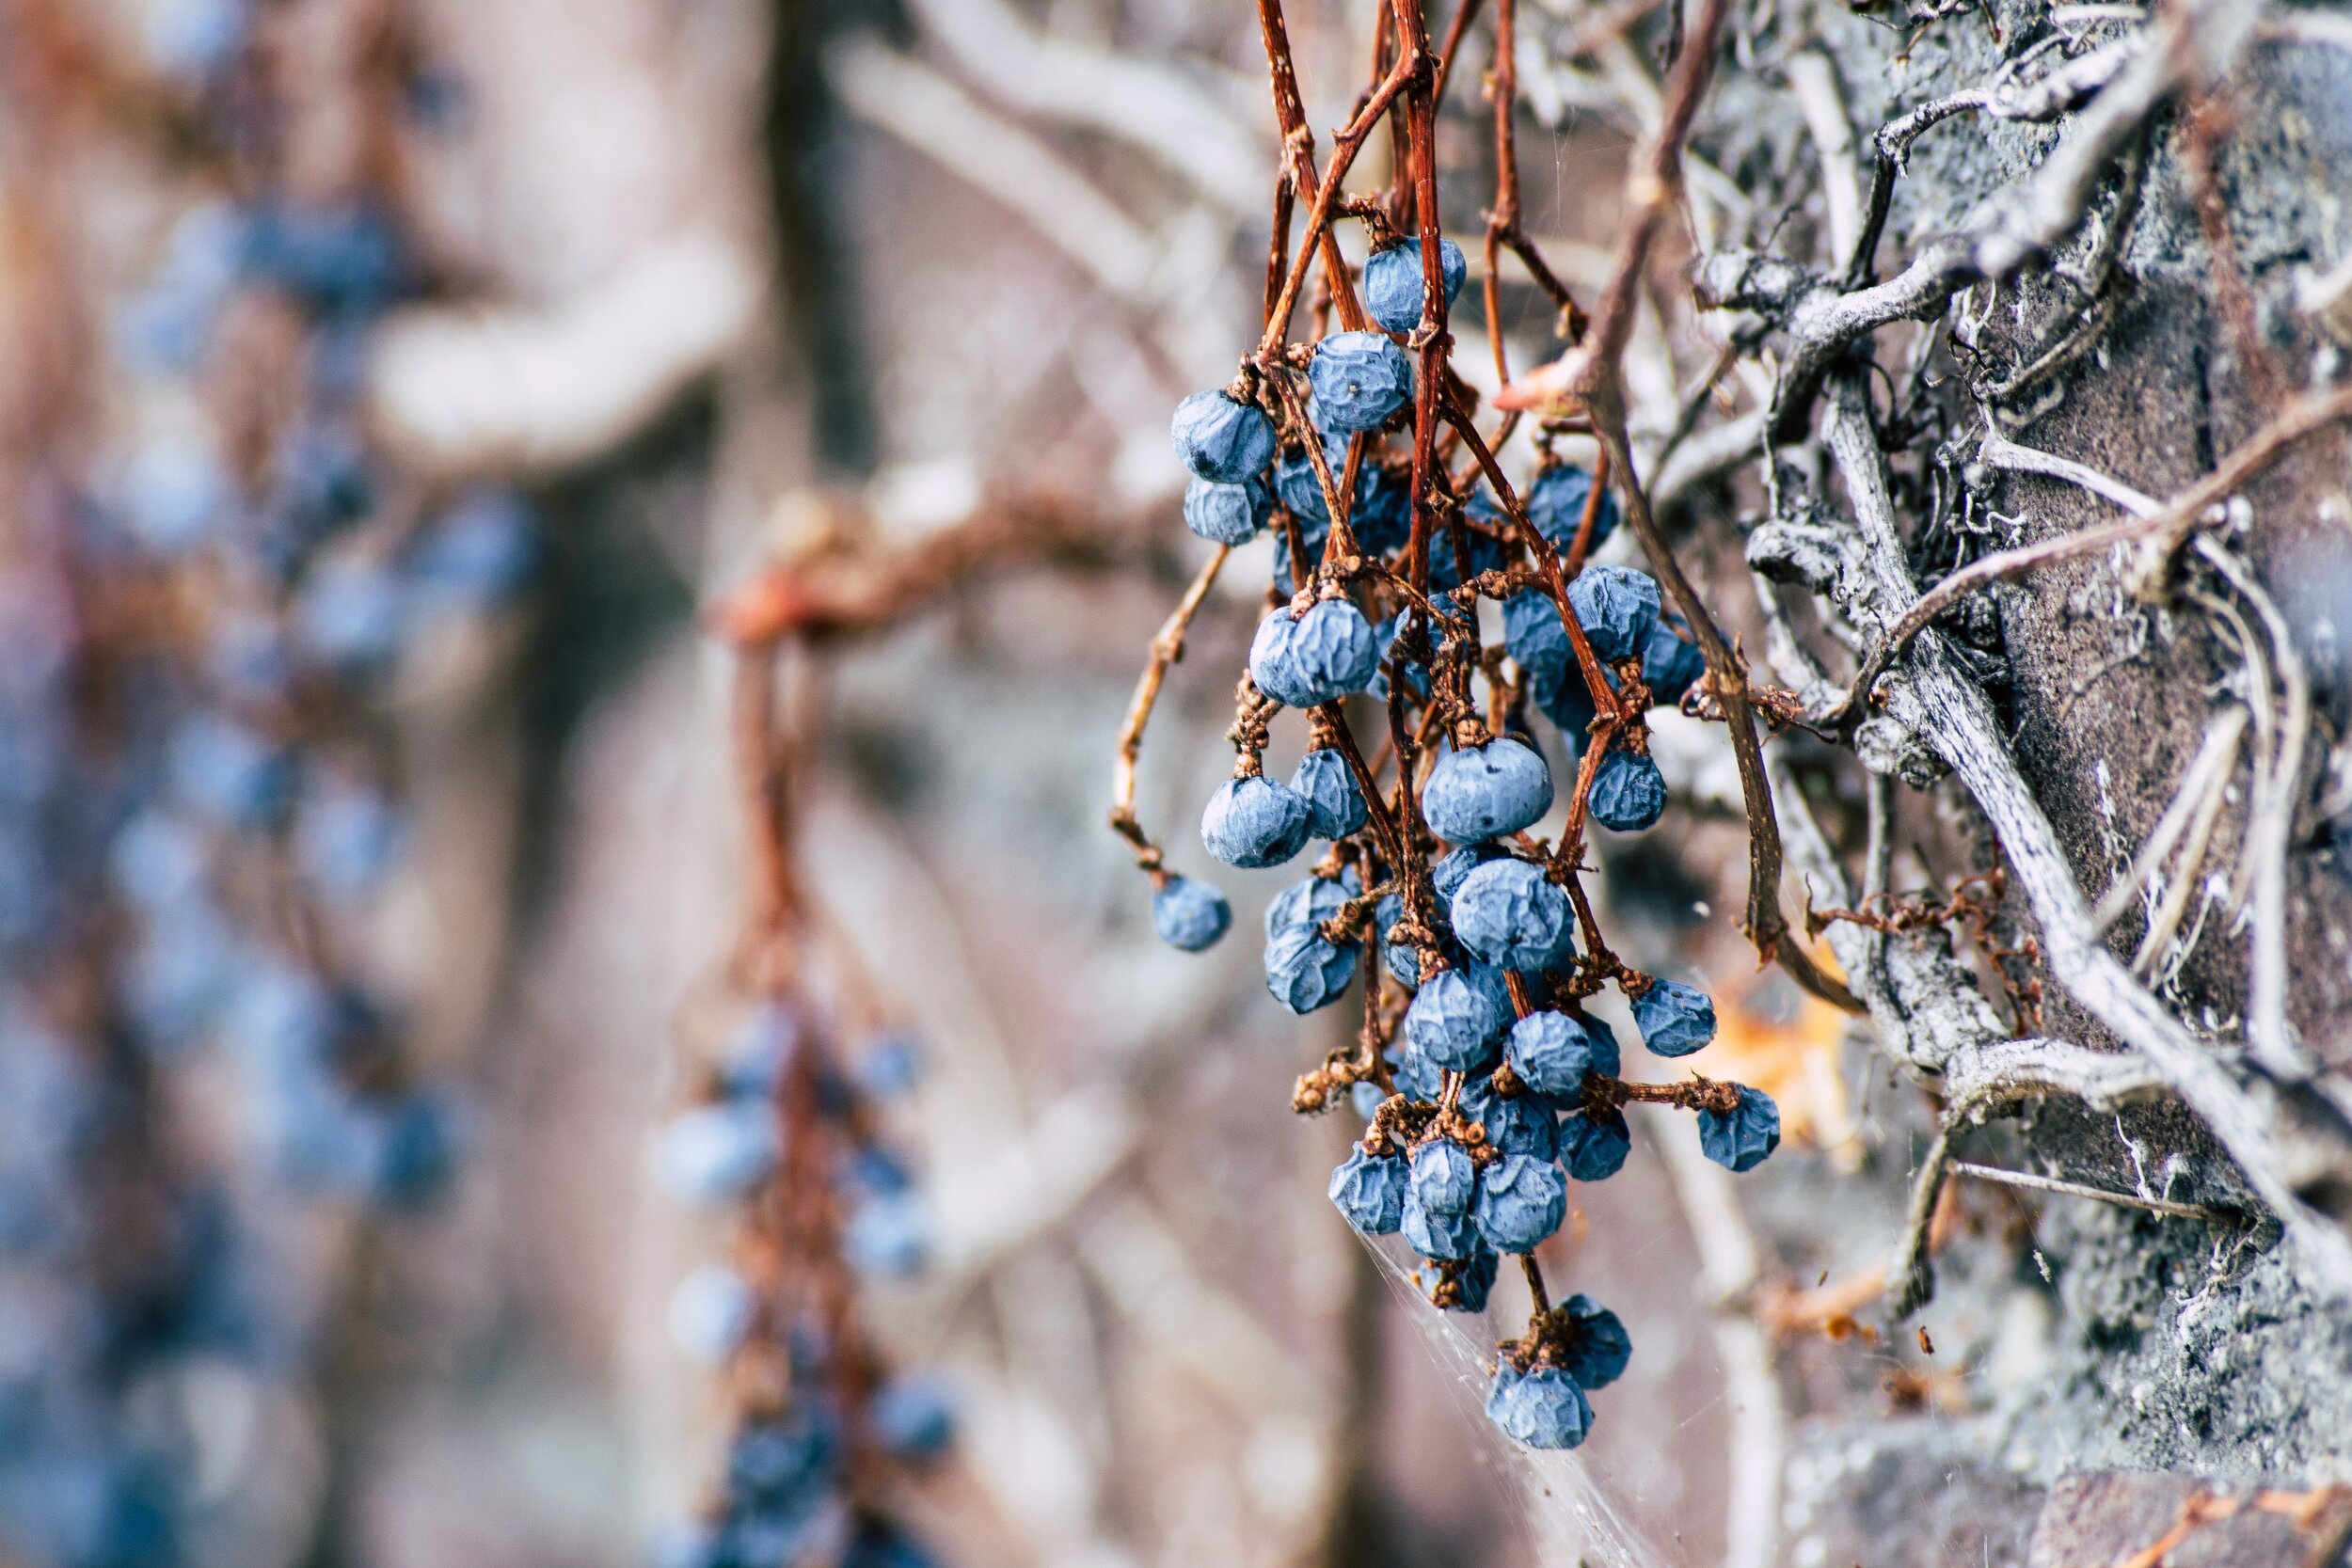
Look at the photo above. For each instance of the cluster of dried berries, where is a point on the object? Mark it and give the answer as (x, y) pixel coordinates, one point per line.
(1487, 1086)
(779, 1126)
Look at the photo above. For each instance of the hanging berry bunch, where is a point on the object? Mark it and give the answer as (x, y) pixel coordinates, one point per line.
(781, 1126)
(1486, 1085)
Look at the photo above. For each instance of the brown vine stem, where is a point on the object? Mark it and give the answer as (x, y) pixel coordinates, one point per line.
(1588, 378)
(2302, 418)
(1167, 648)
(1298, 140)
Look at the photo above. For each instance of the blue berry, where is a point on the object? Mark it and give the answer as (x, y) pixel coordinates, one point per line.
(1616, 605)
(709, 1313)
(1402, 959)
(1383, 515)
(1567, 702)
(1675, 1018)
(913, 1417)
(886, 1236)
(347, 839)
(1227, 513)
(1319, 658)
(1392, 282)
(482, 551)
(1359, 379)
(1598, 1347)
(1670, 665)
(1191, 916)
(1368, 1191)
(1306, 970)
(1521, 1200)
(1592, 1146)
(1552, 1054)
(352, 615)
(1555, 504)
(343, 257)
(1450, 870)
(1335, 805)
(173, 494)
(229, 772)
(1532, 632)
(1364, 1098)
(1221, 439)
(1543, 1409)
(1487, 791)
(1417, 1077)
(1628, 793)
(1453, 1023)
(1300, 488)
(1444, 1178)
(1446, 1237)
(1254, 822)
(1741, 1140)
(1473, 1279)
(716, 1153)
(891, 1063)
(1486, 553)
(1512, 915)
(1516, 1124)
(1309, 901)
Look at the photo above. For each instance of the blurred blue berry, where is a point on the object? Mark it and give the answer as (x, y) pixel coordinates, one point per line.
(347, 838)
(709, 1313)
(913, 1417)
(1392, 282)
(1189, 914)
(716, 1153)
(228, 771)
(1487, 791)
(1555, 504)
(886, 1236)
(480, 551)
(1671, 665)
(1359, 379)
(1741, 1139)
(1218, 439)
(1254, 822)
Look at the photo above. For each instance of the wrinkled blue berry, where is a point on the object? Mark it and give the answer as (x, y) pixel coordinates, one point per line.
(1453, 1023)
(1592, 1146)
(1416, 1075)
(1473, 1279)
(1521, 1200)
(1486, 552)
(1598, 1347)
(1616, 605)
(1368, 1191)
(1628, 793)
(1532, 632)
(1444, 1178)
(1555, 504)
(1188, 914)
(1670, 665)
(1383, 515)
(1567, 702)
(1392, 282)
(1306, 970)
(1553, 1055)
(1487, 791)
(1319, 658)
(1227, 513)
(1512, 915)
(1220, 440)
(1300, 488)
(1543, 1409)
(1309, 901)
(1364, 1098)
(1441, 1236)
(1450, 870)
(1741, 1140)
(1359, 379)
(1675, 1018)
(1516, 1124)
(1401, 958)
(1254, 822)
(1334, 805)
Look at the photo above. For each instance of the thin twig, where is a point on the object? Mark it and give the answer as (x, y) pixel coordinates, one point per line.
(2078, 1189)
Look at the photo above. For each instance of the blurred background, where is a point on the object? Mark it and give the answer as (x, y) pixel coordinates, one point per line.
(384, 386)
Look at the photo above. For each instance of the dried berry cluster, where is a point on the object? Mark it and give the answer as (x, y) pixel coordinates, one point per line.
(778, 1125)
(1489, 1087)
